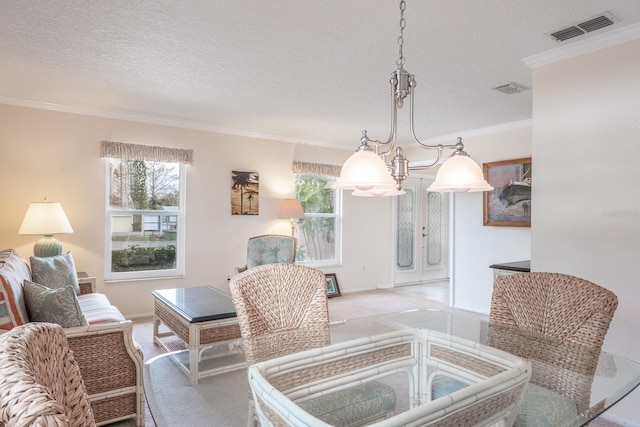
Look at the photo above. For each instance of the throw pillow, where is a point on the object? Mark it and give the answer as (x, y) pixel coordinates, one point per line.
(59, 305)
(55, 271)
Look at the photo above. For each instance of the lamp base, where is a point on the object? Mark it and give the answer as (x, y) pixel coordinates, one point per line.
(47, 246)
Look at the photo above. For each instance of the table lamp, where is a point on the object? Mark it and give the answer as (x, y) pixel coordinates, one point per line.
(46, 218)
(292, 209)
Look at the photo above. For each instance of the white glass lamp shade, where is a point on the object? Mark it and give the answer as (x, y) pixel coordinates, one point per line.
(459, 174)
(379, 191)
(363, 171)
(46, 219)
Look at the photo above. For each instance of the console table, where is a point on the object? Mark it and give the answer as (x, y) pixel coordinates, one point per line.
(515, 267)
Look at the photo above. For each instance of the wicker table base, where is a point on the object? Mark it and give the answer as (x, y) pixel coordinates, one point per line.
(198, 335)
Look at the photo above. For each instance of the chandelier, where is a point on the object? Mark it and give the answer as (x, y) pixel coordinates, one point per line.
(367, 171)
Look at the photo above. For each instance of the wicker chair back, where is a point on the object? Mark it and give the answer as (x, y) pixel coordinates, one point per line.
(277, 297)
(558, 322)
(554, 305)
(40, 382)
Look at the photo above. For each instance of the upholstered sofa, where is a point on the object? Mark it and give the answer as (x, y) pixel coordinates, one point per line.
(109, 359)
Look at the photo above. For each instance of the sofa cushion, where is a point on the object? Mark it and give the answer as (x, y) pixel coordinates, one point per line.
(97, 309)
(55, 271)
(54, 305)
(13, 271)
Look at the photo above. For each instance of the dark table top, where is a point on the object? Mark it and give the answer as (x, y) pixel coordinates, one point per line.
(522, 266)
(199, 304)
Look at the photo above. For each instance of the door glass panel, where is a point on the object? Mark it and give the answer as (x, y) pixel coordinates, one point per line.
(421, 234)
(405, 251)
(434, 229)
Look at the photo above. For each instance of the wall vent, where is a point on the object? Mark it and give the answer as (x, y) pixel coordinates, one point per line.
(511, 88)
(592, 24)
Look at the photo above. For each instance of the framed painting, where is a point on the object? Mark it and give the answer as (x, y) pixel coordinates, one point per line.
(509, 203)
(245, 193)
(332, 285)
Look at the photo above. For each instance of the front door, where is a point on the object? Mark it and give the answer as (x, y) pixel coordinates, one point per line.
(421, 234)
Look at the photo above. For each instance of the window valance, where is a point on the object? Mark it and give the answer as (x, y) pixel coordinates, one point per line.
(121, 150)
(317, 169)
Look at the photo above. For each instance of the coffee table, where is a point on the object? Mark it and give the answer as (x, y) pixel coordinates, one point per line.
(204, 318)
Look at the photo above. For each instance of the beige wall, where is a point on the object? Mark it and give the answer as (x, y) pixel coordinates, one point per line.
(54, 154)
(586, 152)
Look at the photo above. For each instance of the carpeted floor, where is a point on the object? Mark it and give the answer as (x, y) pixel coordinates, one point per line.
(345, 307)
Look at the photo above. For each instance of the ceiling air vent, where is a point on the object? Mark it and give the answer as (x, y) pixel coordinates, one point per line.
(594, 23)
(511, 88)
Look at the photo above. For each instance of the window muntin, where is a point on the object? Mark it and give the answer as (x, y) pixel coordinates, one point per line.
(319, 234)
(145, 219)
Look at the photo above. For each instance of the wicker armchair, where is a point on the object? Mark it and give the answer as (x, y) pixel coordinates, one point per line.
(269, 249)
(564, 320)
(40, 382)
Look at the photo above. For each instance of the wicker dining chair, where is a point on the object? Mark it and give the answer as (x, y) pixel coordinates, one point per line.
(564, 320)
(282, 309)
(279, 297)
(40, 382)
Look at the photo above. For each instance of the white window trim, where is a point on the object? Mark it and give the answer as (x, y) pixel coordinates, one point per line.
(337, 260)
(180, 237)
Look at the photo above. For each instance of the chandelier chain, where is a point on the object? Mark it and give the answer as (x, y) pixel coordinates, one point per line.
(403, 23)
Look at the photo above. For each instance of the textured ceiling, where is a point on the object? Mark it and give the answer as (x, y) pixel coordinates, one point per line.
(298, 70)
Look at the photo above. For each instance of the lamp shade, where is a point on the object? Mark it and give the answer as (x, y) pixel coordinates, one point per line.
(291, 208)
(45, 219)
(363, 171)
(459, 174)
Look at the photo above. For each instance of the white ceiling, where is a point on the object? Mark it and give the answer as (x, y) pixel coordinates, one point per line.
(298, 70)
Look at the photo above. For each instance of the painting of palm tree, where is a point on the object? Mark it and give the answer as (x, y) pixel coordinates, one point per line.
(245, 193)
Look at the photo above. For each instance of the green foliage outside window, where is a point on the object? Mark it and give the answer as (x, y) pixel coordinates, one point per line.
(136, 258)
(317, 239)
(142, 240)
(138, 183)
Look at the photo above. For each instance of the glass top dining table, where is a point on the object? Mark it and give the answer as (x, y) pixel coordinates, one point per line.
(593, 381)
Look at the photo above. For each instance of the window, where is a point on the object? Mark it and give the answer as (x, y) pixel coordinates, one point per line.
(319, 235)
(145, 218)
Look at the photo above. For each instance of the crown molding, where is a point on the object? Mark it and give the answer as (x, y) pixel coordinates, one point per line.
(447, 139)
(152, 119)
(611, 38)
(196, 125)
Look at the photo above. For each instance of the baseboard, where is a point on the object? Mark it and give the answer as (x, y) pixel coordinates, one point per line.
(139, 316)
